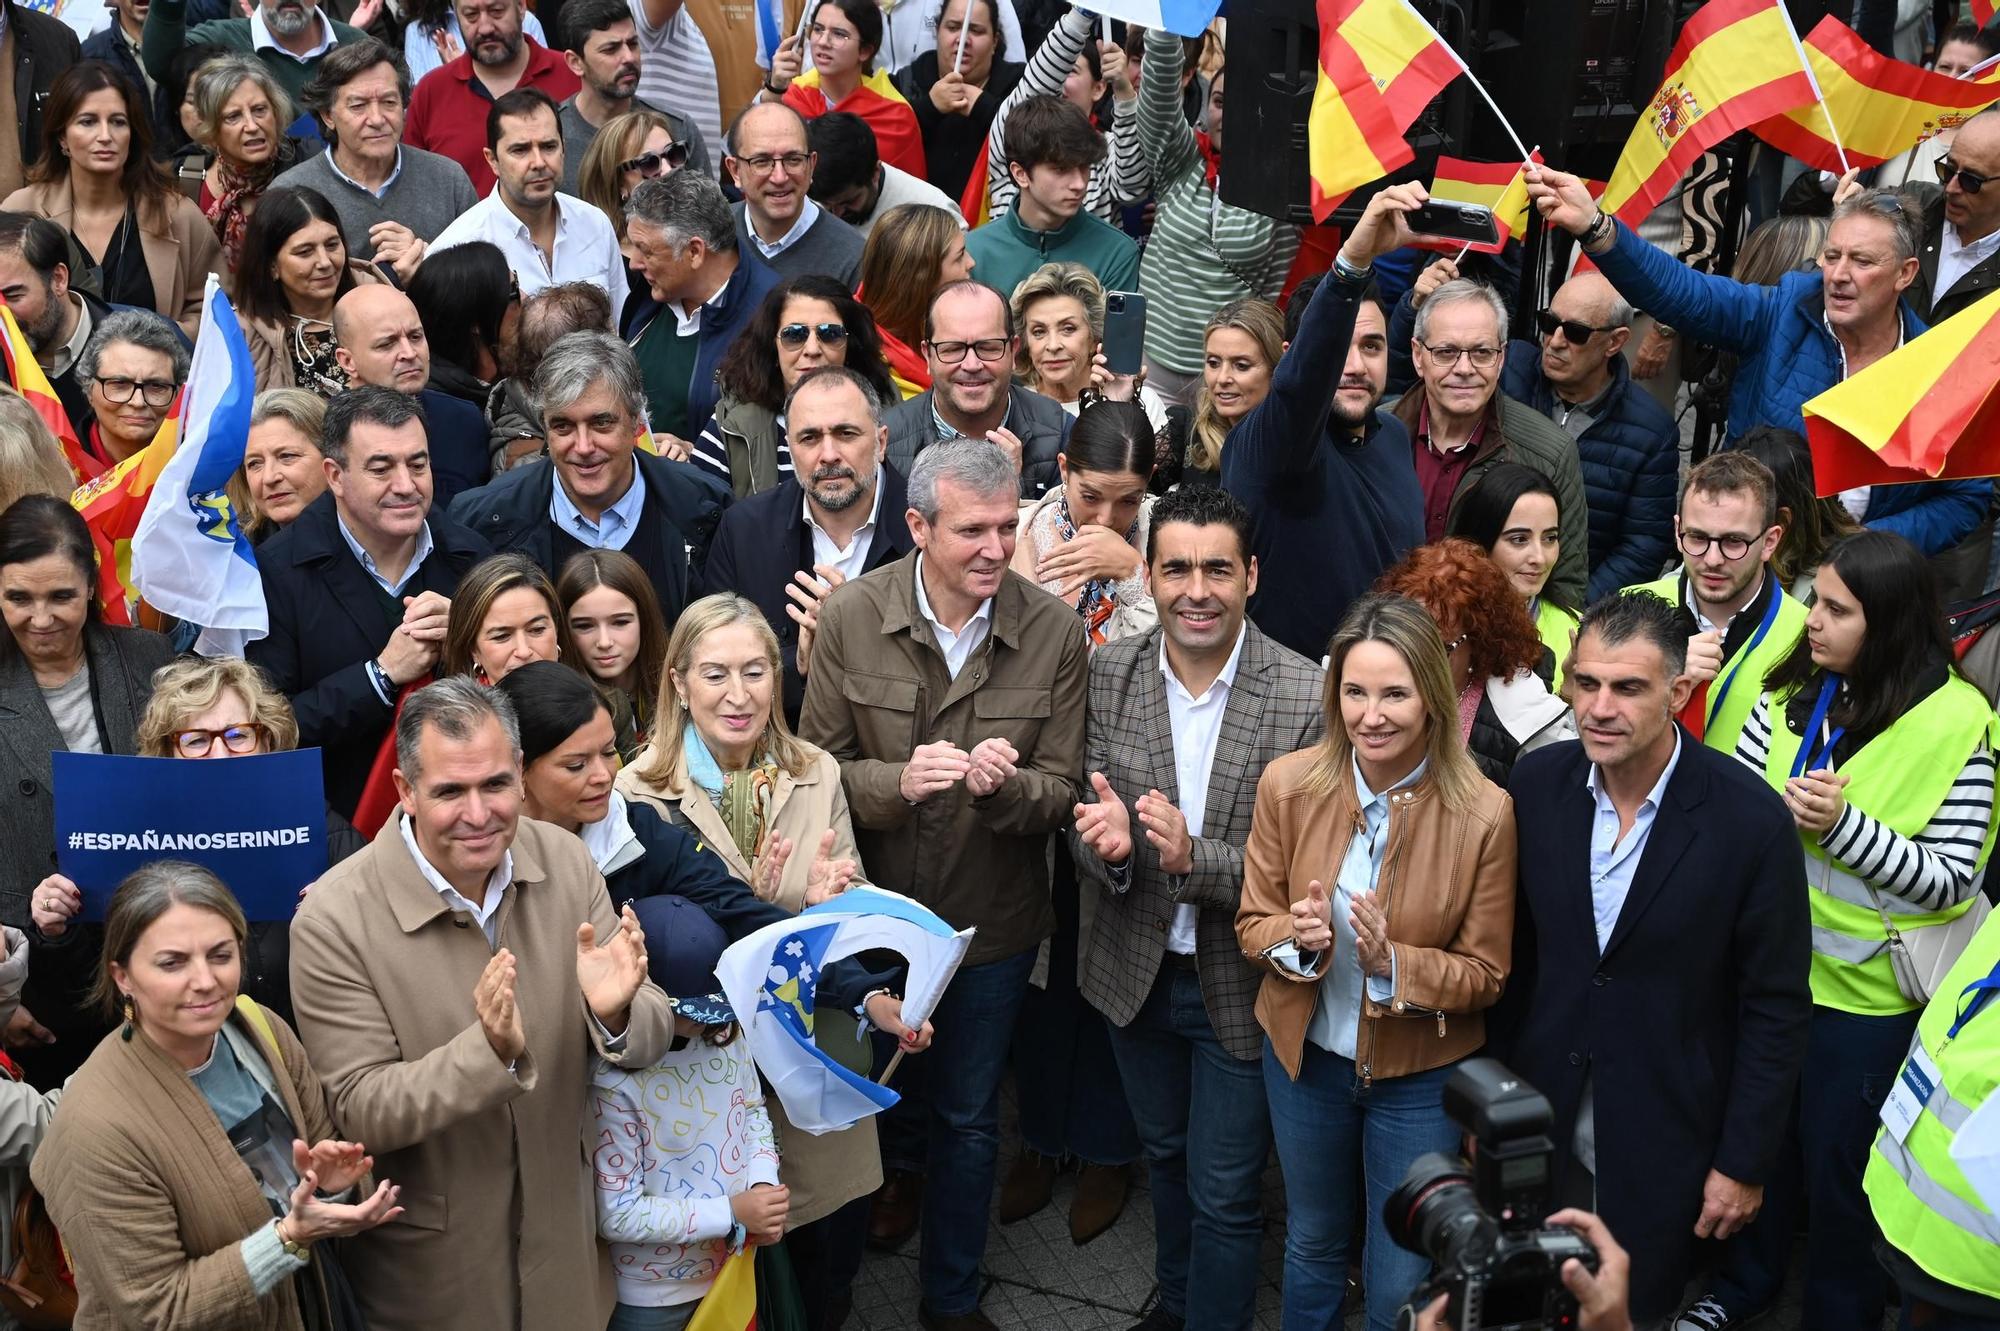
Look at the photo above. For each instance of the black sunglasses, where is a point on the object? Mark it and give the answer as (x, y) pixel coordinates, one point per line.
(830, 335)
(1575, 330)
(1967, 181)
(675, 156)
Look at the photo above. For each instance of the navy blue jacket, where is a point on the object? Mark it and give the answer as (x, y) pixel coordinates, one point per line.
(460, 460)
(763, 540)
(721, 320)
(1332, 512)
(1787, 356)
(1630, 458)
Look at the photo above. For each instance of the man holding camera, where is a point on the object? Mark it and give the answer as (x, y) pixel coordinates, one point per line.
(1600, 1295)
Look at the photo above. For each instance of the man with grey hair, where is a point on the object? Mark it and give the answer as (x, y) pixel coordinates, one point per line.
(455, 983)
(839, 513)
(133, 366)
(359, 586)
(1461, 425)
(703, 291)
(951, 690)
(1627, 445)
(597, 489)
(291, 37)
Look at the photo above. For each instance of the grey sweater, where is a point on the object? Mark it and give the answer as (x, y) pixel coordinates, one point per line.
(427, 197)
(830, 248)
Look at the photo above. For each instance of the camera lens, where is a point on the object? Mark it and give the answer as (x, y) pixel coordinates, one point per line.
(1435, 1212)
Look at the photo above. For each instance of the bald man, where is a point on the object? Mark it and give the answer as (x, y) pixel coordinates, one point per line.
(380, 341)
(768, 156)
(1626, 443)
(1959, 260)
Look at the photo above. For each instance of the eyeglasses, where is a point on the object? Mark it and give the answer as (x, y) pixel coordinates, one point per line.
(829, 335)
(674, 156)
(1482, 358)
(989, 349)
(1575, 330)
(1695, 544)
(238, 740)
(157, 392)
(763, 163)
(819, 32)
(1948, 167)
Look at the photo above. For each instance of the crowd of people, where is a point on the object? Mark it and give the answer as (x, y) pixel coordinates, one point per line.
(691, 471)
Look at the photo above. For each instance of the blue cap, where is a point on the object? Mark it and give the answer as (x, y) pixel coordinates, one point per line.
(682, 947)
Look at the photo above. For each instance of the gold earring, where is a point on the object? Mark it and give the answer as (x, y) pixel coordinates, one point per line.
(131, 1015)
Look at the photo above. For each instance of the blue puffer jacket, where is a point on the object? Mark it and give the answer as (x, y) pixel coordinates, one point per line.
(1788, 356)
(1630, 458)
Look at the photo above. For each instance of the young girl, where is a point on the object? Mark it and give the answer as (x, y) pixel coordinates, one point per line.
(687, 1167)
(617, 638)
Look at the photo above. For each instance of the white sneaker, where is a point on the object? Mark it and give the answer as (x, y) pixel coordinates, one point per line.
(1705, 1315)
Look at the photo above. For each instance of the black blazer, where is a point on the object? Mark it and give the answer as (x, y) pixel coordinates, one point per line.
(754, 556)
(328, 618)
(460, 458)
(1692, 1023)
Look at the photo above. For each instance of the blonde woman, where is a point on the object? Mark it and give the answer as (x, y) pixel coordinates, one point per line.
(281, 473)
(1059, 314)
(504, 614)
(642, 137)
(724, 764)
(1240, 349)
(31, 461)
(1380, 966)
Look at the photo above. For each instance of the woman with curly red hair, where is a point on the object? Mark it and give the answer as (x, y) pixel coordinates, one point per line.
(1504, 708)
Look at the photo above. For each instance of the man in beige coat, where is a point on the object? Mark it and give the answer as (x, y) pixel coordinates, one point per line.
(451, 991)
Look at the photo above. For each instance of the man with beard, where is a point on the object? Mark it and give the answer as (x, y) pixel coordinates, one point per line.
(548, 237)
(289, 36)
(601, 47)
(55, 317)
(448, 113)
(1326, 476)
(969, 346)
(842, 505)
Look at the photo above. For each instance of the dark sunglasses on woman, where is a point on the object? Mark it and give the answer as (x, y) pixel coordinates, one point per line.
(673, 158)
(830, 335)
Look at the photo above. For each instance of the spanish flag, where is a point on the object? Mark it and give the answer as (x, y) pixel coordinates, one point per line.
(1352, 137)
(731, 1302)
(898, 139)
(1501, 186)
(1409, 62)
(112, 504)
(1734, 66)
(28, 379)
(1881, 107)
(1929, 410)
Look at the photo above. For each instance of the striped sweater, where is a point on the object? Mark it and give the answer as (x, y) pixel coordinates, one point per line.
(1203, 253)
(1934, 870)
(1118, 181)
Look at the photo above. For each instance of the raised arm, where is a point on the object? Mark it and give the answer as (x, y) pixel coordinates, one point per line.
(1042, 76)
(1164, 133)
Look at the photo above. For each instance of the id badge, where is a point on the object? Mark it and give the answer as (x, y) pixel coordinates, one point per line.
(1915, 1086)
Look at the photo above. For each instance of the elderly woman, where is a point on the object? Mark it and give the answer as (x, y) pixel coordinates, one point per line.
(68, 684)
(132, 369)
(734, 774)
(295, 267)
(193, 1166)
(1379, 966)
(804, 324)
(1059, 315)
(243, 114)
(282, 470)
(97, 179)
(504, 614)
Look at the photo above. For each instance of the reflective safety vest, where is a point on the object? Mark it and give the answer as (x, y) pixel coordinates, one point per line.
(1900, 778)
(1557, 628)
(1733, 693)
(1921, 1200)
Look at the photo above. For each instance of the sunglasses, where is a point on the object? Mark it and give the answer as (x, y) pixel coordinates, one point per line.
(1967, 181)
(674, 157)
(829, 335)
(1577, 331)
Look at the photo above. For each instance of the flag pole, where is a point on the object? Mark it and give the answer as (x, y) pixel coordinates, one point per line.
(1104, 28)
(1980, 68)
(1833, 130)
(1457, 59)
(964, 24)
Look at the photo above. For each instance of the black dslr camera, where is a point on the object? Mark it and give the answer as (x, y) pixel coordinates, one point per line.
(1482, 1224)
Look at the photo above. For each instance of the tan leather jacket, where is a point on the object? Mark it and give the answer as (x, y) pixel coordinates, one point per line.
(1447, 886)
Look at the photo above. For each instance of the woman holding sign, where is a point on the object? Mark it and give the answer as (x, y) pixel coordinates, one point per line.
(68, 683)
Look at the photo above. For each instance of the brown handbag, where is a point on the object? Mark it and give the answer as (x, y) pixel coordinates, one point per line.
(40, 1291)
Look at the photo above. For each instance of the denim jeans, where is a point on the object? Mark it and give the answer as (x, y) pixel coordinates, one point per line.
(631, 1317)
(826, 1256)
(1326, 1126)
(1206, 1132)
(975, 1026)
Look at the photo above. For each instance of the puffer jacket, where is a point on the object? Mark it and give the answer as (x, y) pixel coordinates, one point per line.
(1788, 356)
(1038, 422)
(1630, 459)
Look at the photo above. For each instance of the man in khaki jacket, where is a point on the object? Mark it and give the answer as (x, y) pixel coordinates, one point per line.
(451, 991)
(951, 690)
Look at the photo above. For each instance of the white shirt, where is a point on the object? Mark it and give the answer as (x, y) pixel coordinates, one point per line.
(957, 647)
(586, 248)
(496, 885)
(1956, 260)
(262, 40)
(852, 559)
(1702, 623)
(900, 187)
(771, 249)
(1196, 724)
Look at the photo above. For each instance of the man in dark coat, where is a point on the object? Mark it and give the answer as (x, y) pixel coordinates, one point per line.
(1659, 994)
(38, 48)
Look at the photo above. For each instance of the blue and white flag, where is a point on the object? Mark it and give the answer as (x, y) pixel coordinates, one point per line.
(1183, 18)
(772, 979)
(190, 558)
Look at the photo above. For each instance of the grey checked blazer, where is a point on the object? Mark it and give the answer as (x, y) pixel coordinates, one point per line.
(1274, 708)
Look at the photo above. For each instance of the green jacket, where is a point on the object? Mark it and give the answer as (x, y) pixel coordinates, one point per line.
(166, 32)
(1005, 251)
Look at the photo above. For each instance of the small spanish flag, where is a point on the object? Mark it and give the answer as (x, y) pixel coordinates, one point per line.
(29, 380)
(1929, 410)
(1351, 136)
(1501, 186)
(112, 504)
(731, 1302)
(1409, 62)
(1734, 66)
(1881, 107)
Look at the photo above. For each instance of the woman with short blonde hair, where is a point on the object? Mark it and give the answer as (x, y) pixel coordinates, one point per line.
(186, 688)
(31, 461)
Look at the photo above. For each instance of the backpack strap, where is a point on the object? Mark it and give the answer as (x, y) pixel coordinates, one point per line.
(253, 1016)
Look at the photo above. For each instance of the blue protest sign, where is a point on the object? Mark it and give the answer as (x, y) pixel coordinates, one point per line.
(258, 822)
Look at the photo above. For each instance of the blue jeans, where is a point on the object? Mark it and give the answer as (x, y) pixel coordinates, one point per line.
(1206, 1133)
(1326, 1125)
(975, 1026)
(630, 1317)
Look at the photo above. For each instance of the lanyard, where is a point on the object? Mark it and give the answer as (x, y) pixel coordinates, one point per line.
(1804, 762)
(1981, 992)
(1770, 618)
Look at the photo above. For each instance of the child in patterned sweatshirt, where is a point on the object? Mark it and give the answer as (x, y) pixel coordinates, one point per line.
(686, 1163)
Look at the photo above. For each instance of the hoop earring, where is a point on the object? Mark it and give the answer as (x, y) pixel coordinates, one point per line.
(131, 1015)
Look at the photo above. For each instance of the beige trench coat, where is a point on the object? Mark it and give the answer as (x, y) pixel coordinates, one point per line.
(180, 246)
(823, 1172)
(499, 1231)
